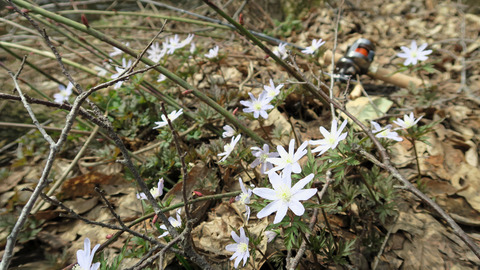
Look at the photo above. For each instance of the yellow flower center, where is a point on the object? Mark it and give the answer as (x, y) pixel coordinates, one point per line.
(228, 148)
(243, 197)
(242, 247)
(284, 193)
(257, 106)
(331, 140)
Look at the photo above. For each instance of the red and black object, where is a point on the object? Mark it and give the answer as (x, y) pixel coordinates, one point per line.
(357, 60)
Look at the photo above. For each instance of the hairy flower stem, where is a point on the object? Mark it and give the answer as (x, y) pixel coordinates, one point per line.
(329, 229)
(182, 160)
(263, 255)
(412, 140)
(269, 139)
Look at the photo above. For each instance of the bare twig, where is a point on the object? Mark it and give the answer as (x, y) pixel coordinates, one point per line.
(182, 160)
(43, 181)
(63, 177)
(293, 263)
(332, 80)
(412, 189)
(382, 248)
(161, 254)
(19, 125)
(122, 227)
(140, 56)
(186, 238)
(148, 256)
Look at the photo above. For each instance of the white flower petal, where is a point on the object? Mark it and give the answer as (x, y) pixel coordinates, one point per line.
(265, 193)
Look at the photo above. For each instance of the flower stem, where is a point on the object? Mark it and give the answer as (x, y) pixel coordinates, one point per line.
(412, 140)
(329, 228)
(265, 131)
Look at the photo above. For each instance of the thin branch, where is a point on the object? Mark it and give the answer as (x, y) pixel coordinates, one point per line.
(412, 189)
(332, 80)
(293, 263)
(63, 177)
(162, 252)
(176, 140)
(26, 105)
(42, 183)
(382, 248)
(147, 257)
(122, 227)
(19, 125)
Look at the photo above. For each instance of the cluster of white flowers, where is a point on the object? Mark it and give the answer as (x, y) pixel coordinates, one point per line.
(281, 50)
(278, 166)
(260, 105)
(169, 46)
(283, 196)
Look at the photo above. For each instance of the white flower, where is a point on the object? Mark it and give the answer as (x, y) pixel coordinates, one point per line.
(172, 116)
(414, 54)
(228, 148)
(240, 248)
(315, 45)
(161, 78)
(272, 90)
(280, 51)
(174, 43)
(120, 70)
(117, 51)
(288, 162)
(229, 131)
(258, 106)
(261, 158)
(331, 139)
(85, 257)
(385, 132)
(192, 48)
(177, 223)
(155, 191)
(187, 41)
(101, 71)
(407, 122)
(212, 53)
(270, 235)
(155, 53)
(244, 197)
(284, 196)
(64, 93)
